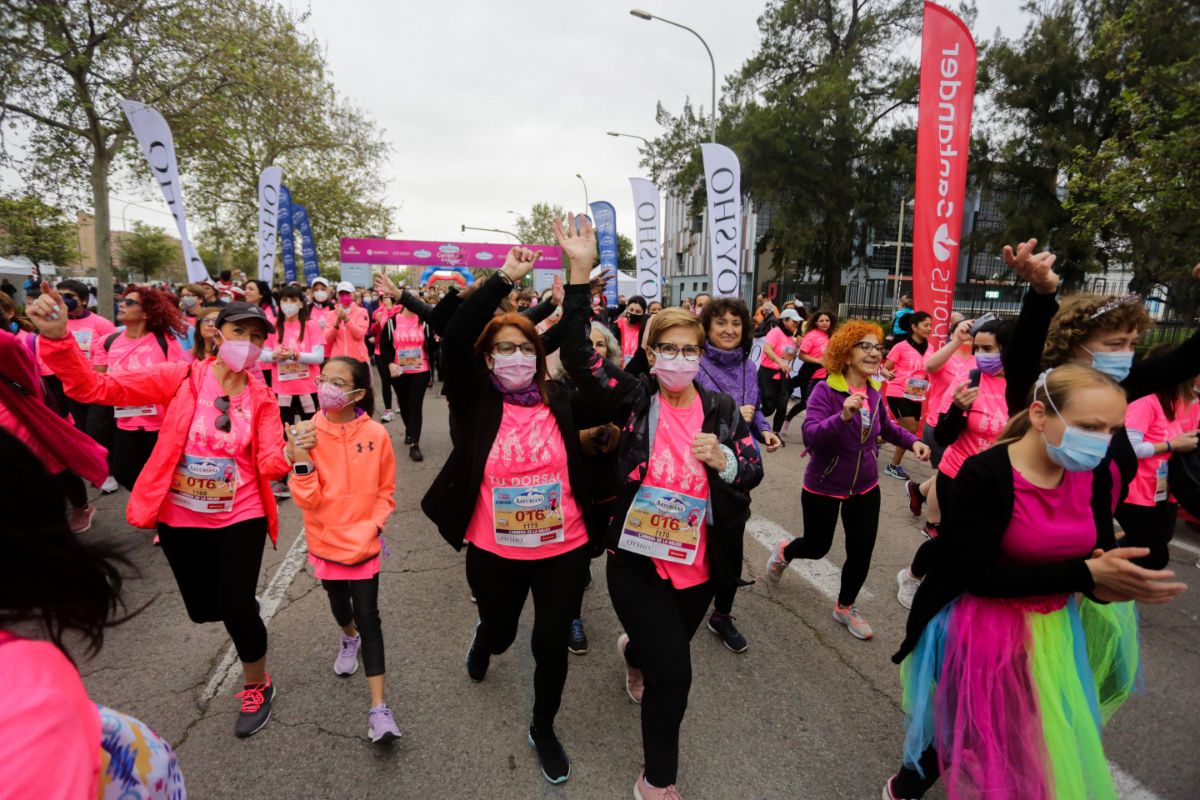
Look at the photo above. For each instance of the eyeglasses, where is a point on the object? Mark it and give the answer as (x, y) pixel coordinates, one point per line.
(867, 347)
(508, 348)
(210, 322)
(129, 301)
(338, 382)
(222, 405)
(691, 352)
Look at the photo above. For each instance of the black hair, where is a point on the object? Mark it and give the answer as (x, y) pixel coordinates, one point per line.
(910, 321)
(226, 275)
(48, 576)
(719, 307)
(1000, 328)
(268, 297)
(293, 293)
(641, 301)
(811, 322)
(78, 288)
(361, 372)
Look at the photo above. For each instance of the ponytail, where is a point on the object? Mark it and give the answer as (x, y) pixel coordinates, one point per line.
(1015, 430)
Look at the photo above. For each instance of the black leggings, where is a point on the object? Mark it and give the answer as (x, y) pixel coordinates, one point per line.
(216, 570)
(358, 602)
(385, 377)
(723, 599)
(1149, 526)
(806, 389)
(500, 586)
(410, 395)
(927, 554)
(773, 395)
(661, 621)
(909, 784)
(130, 452)
(73, 487)
(860, 519)
(293, 411)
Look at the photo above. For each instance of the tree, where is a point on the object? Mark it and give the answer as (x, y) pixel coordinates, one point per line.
(36, 230)
(147, 250)
(538, 226)
(626, 259)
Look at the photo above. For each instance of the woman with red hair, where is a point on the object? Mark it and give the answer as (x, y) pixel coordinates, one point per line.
(152, 323)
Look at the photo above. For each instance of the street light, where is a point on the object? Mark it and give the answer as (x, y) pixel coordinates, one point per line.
(631, 136)
(637, 12)
(587, 207)
(900, 245)
(466, 228)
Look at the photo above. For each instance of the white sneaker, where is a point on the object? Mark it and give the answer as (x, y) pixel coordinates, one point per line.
(110, 485)
(388, 416)
(776, 564)
(908, 588)
(853, 621)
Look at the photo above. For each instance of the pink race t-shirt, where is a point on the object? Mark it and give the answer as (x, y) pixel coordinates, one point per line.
(985, 420)
(526, 508)
(1050, 524)
(910, 379)
(630, 334)
(410, 344)
(49, 729)
(89, 332)
(783, 344)
(814, 344)
(214, 483)
(293, 378)
(943, 382)
(129, 355)
(1146, 421)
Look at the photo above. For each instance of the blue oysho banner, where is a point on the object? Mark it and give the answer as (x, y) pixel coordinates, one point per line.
(286, 242)
(606, 242)
(308, 249)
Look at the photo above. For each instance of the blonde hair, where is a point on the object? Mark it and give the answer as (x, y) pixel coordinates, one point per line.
(1057, 385)
(1078, 319)
(673, 318)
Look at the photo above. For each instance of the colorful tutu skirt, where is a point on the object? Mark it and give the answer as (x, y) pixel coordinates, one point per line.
(1013, 693)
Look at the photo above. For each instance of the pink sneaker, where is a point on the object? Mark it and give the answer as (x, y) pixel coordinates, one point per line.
(634, 683)
(80, 519)
(644, 791)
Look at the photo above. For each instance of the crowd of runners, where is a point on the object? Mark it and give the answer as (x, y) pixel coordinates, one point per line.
(635, 433)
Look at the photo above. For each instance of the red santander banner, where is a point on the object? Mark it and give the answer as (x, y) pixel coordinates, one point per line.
(943, 137)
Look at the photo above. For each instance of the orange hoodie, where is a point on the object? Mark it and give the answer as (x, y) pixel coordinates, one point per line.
(348, 499)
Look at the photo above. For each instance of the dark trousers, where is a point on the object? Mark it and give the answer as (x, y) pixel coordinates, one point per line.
(216, 570)
(860, 520)
(929, 552)
(500, 586)
(290, 413)
(806, 390)
(661, 621)
(723, 598)
(385, 377)
(410, 395)
(358, 602)
(909, 785)
(73, 487)
(130, 452)
(773, 395)
(1149, 526)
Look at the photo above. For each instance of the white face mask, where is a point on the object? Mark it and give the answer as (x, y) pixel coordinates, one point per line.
(320, 296)
(290, 309)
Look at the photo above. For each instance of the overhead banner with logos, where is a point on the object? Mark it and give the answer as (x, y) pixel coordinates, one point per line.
(154, 136)
(420, 253)
(286, 238)
(723, 179)
(943, 139)
(308, 248)
(648, 243)
(606, 242)
(268, 221)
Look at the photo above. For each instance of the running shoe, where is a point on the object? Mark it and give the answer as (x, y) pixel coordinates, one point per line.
(722, 625)
(578, 643)
(635, 684)
(908, 588)
(930, 530)
(407, 438)
(888, 792)
(478, 658)
(80, 519)
(415, 454)
(853, 621)
(280, 490)
(915, 498)
(110, 485)
(346, 663)
(787, 423)
(896, 472)
(381, 727)
(388, 416)
(552, 758)
(256, 708)
(777, 563)
(644, 791)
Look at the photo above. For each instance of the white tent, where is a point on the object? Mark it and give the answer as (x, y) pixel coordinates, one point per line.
(10, 267)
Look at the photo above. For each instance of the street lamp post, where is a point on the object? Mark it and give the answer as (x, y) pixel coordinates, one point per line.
(637, 12)
(631, 136)
(587, 206)
(900, 244)
(466, 228)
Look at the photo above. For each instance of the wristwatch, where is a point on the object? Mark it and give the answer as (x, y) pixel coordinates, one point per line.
(304, 468)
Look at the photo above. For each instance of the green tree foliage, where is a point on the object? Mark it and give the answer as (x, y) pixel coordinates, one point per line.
(537, 227)
(147, 250)
(626, 258)
(32, 228)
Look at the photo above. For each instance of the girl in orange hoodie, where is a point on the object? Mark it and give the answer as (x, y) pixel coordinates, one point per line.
(344, 482)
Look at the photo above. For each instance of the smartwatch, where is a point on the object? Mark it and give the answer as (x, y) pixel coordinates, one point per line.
(304, 468)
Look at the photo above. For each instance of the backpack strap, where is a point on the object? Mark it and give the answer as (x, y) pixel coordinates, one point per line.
(108, 340)
(162, 343)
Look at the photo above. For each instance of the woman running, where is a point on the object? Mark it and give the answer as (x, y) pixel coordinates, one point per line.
(409, 374)
(727, 368)
(908, 380)
(1008, 677)
(518, 450)
(383, 332)
(815, 331)
(844, 420)
(218, 422)
(688, 463)
(779, 350)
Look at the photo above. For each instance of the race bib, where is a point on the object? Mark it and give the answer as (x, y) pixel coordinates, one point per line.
(291, 370)
(83, 338)
(915, 389)
(124, 412)
(664, 524)
(1161, 491)
(408, 358)
(528, 516)
(206, 484)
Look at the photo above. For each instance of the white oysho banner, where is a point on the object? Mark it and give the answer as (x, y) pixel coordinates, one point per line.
(648, 242)
(268, 221)
(723, 180)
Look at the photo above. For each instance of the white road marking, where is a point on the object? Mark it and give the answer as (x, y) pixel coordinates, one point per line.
(1129, 787)
(222, 679)
(821, 573)
(1191, 548)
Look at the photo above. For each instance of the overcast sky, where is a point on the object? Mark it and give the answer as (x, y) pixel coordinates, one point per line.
(491, 105)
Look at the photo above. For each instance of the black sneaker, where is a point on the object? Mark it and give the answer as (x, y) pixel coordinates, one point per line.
(722, 625)
(256, 708)
(556, 767)
(415, 454)
(478, 658)
(408, 438)
(578, 643)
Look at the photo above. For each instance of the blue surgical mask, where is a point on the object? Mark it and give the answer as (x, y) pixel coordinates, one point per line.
(1079, 450)
(989, 363)
(1114, 365)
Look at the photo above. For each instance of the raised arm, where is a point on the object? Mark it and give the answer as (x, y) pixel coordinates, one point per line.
(417, 306)
(1022, 355)
(962, 335)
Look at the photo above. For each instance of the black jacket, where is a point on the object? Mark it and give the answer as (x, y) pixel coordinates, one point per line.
(616, 395)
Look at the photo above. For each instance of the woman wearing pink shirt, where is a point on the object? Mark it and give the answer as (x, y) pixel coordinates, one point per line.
(383, 333)
(779, 350)
(816, 331)
(297, 350)
(152, 322)
(409, 373)
(908, 381)
(346, 328)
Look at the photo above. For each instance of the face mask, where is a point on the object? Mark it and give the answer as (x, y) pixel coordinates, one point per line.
(346, 300)
(71, 303)
(675, 374)
(635, 319)
(989, 363)
(290, 309)
(238, 353)
(515, 372)
(189, 302)
(1114, 365)
(320, 296)
(331, 398)
(1079, 450)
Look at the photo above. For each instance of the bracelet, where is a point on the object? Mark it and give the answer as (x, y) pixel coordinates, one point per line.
(1168, 444)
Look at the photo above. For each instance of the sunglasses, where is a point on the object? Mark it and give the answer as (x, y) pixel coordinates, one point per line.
(223, 421)
(129, 301)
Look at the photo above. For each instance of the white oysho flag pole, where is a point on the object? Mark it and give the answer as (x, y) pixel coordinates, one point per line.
(154, 136)
(648, 243)
(268, 216)
(723, 179)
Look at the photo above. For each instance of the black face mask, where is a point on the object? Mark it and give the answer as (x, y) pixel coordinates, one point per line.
(71, 303)
(636, 319)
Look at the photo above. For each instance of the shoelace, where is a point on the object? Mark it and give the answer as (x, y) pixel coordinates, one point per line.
(252, 697)
(349, 644)
(384, 712)
(577, 627)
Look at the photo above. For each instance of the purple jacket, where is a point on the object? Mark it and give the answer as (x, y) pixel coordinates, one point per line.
(843, 455)
(732, 372)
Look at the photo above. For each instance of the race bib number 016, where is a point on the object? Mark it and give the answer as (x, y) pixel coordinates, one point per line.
(528, 516)
(204, 484)
(664, 524)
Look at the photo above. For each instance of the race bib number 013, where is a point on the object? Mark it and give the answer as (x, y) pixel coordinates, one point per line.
(204, 484)
(664, 524)
(528, 516)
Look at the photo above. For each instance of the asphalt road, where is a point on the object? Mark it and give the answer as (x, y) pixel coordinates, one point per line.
(807, 712)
